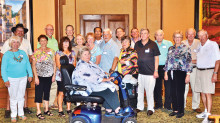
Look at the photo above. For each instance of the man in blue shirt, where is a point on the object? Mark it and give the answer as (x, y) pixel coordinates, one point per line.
(163, 46)
(110, 52)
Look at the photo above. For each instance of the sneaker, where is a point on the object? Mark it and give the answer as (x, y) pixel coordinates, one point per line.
(202, 115)
(7, 113)
(27, 111)
(121, 114)
(109, 114)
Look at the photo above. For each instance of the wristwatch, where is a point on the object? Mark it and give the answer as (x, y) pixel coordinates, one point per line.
(111, 71)
(215, 72)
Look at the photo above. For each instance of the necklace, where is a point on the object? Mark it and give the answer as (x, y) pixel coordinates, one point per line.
(19, 58)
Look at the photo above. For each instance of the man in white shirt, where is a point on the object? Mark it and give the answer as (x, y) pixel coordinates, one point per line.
(192, 43)
(207, 57)
(98, 36)
(19, 31)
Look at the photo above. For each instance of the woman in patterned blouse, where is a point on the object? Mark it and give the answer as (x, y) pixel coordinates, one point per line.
(177, 70)
(44, 69)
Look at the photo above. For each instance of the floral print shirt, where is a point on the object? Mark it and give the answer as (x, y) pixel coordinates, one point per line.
(44, 62)
(179, 58)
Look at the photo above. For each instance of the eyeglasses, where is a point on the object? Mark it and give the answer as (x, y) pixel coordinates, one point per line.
(50, 29)
(178, 37)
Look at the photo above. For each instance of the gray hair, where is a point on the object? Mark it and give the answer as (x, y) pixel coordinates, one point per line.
(81, 50)
(143, 29)
(14, 39)
(188, 31)
(159, 30)
(202, 30)
(107, 29)
(177, 32)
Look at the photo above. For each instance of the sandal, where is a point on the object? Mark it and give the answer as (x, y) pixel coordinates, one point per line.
(61, 114)
(69, 111)
(48, 113)
(22, 117)
(40, 116)
(13, 119)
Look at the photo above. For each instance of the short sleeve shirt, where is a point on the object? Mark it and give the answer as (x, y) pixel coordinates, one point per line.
(146, 54)
(95, 52)
(52, 44)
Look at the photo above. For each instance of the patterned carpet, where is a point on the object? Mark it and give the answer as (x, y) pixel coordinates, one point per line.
(160, 116)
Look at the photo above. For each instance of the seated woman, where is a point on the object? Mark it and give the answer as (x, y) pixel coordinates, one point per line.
(91, 75)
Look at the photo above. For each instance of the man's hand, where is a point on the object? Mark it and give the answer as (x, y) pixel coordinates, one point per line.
(156, 74)
(7, 84)
(214, 77)
(187, 79)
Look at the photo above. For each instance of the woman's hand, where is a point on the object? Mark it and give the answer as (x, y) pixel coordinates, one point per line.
(53, 78)
(108, 79)
(111, 78)
(7, 84)
(37, 82)
(187, 80)
(30, 79)
(165, 76)
(122, 61)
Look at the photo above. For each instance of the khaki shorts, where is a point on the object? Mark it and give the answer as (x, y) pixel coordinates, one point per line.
(204, 81)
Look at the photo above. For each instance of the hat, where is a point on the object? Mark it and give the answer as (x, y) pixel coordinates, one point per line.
(13, 29)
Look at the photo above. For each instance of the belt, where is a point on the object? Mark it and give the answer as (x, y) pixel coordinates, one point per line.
(205, 68)
(194, 66)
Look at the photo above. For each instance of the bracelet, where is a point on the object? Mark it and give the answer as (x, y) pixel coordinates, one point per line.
(111, 71)
(156, 70)
(215, 72)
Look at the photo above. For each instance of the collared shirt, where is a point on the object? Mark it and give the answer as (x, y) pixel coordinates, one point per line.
(109, 50)
(98, 42)
(163, 47)
(193, 47)
(119, 44)
(52, 44)
(95, 52)
(179, 58)
(25, 46)
(133, 42)
(146, 54)
(207, 54)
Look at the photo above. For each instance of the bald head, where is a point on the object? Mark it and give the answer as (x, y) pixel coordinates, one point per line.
(49, 30)
(203, 36)
(159, 35)
(190, 34)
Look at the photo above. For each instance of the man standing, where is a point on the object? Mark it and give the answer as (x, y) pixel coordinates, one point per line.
(148, 61)
(207, 57)
(192, 43)
(110, 52)
(135, 36)
(53, 44)
(70, 34)
(163, 46)
(119, 32)
(19, 31)
(98, 36)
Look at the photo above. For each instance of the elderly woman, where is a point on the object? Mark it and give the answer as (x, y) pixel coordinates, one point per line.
(94, 49)
(80, 42)
(44, 68)
(177, 70)
(98, 84)
(14, 69)
(65, 49)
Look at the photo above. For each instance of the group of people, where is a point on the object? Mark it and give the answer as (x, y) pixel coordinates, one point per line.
(97, 56)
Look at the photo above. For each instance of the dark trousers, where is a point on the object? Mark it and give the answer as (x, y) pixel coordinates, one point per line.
(158, 90)
(177, 89)
(43, 89)
(111, 98)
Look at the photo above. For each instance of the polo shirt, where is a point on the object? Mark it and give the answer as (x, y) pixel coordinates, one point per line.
(146, 54)
(52, 44)
(193, 47)
(207, 54)
(163, 47)
(109, 51)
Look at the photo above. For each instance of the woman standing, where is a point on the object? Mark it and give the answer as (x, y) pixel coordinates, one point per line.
(177, 70)
(65, 48)
(44, 68)
(94, 49)
(14, 69)
(80, 42)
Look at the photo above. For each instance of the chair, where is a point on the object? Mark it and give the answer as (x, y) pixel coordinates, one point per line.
(66, 76)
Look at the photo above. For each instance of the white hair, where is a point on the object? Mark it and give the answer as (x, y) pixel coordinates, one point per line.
(159, 30)
(107, 29)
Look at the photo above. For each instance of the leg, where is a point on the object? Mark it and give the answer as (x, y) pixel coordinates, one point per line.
(186, 93)
(20, 95)
(39, 94)
(173, 92)
(140, 102)
(158, 90)
(209, 102)
(195, 95)
(46, 89)
(7, 111)
(204, 100)
(168, 98)
(60, 101)
(149, 88)
(68, 104)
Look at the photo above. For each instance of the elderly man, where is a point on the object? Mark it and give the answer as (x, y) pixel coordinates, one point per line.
(163, 47)
(135, 36)
(53, 44)
(20, 31)
(98, 36)
(70, 34)
(148, 61)
(119, 32)
(207, 57)
(192, 43)
(110, 52)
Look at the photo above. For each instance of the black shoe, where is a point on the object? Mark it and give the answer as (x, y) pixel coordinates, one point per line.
(69, 111)
(138, 110)
(7, 113)
(149, 112)
(169, 109)
(179, 115)
(173, 113)
(27, 111)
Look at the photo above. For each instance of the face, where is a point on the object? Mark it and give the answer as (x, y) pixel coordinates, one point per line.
(19, 32)
(90, 39)
(15, 44)
(66, 44)
(43, 42)
(145, 35)
(98, 33)
(159, 36)
(49, 30)
(69, 31)
(79, 40)
(125, 44)
(202, 36)
(86, 56)
(120, 33)
(134, 33)
(190, 35)
(177, 39)
(107, 35)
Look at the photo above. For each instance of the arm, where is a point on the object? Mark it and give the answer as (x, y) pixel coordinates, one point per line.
(57, 59)
(3, 70)
(30, 58)
(189, 66)
(35, 71)
(98, 59)
(215, 73)
(114, 64)
(29, 70)
(54, 69)
(156, 66)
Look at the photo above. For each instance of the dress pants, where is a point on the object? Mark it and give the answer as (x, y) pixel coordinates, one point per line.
(158, 90)
(147, 83)
(16, 92)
